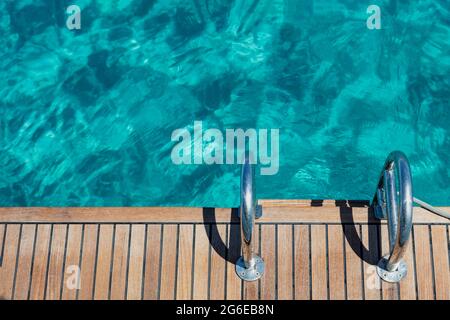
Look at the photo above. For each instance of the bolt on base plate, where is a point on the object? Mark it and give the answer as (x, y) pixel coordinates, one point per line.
(253, 273)
(391, 276)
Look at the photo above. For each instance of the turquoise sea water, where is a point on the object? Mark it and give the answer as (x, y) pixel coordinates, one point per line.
(86, 116)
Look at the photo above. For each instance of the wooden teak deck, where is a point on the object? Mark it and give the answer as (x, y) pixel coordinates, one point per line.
(325, 250)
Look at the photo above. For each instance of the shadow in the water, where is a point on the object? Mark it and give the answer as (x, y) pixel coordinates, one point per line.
(231, 251)
(371, 253)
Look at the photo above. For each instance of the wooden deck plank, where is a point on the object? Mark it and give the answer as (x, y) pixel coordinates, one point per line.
(268, 281)
(271, 214)
(104, 262)
(302, 270)
(72, 263)
(24, 262)
(336, 262)
(284, 262)
(88, 260)
(218, 261)
(353, 262)
(40, 262)
(234, 284)
(319, 274)
(120, 262)
(201, 262)
(424, 265)
(251, 289)
(440, 246)
(407, 287)
(185, 253)
(55, 267)
(9, 259)
(169, 252)
(136, 262)
(2, 236)
(152, 262)
(371, 256)
(389, 291)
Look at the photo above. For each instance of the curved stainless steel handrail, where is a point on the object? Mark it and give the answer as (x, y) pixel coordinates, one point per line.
(397, 207)
(249, 266)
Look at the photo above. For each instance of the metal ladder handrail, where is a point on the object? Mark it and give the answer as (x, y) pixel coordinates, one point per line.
(249, 266)
(432, 209)
(397, 210)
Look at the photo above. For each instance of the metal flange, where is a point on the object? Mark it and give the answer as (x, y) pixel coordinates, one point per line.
(252, 273)
(391, 276)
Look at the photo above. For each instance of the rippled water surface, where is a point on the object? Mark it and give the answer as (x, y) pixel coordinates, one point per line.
(86, 116)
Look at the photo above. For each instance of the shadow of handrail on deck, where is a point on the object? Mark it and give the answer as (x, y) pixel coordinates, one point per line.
(370, 254)
(231, 251)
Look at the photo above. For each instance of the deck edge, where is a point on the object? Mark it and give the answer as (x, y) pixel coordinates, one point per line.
(273, 212)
